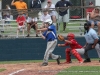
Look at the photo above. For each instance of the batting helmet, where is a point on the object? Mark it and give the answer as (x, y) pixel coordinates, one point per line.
(71, 35)
(49, 21)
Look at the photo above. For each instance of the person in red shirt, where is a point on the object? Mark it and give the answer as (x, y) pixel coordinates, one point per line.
(20, 23)
(75, 48)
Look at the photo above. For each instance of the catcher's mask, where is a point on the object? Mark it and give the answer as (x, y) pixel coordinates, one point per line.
(70, 36)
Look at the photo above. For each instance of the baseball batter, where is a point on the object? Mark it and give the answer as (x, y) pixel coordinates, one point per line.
(50, 35)
(75, 48)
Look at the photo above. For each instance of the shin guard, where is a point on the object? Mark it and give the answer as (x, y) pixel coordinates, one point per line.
(77, 55)
(68, 58)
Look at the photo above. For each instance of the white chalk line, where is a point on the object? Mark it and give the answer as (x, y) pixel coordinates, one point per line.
(17, 72)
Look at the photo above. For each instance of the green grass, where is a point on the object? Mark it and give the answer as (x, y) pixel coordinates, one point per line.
(30, 61)
(35, 61)
(81, 70)
(21, 61)
(2, 69)
(24, 61)
(74, 70)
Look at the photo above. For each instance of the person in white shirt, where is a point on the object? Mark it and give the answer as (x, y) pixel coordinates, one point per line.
(44, 17)
(31, 23)
(52, 13)
(7, 13)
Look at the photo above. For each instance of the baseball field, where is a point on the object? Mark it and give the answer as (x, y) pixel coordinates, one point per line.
(33, 67)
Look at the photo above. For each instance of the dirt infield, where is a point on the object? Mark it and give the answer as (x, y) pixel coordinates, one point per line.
(37, 69)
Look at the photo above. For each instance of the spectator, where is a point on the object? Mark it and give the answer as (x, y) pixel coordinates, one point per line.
(63, 11)
(95, 18)
(44, 17)
(20, 5)
(74, 48)
(20, 23)
(7, 13)
(52, 13)
(35, 6)
(8, 7)
(89, 10)
(91, 41)
(31, 23)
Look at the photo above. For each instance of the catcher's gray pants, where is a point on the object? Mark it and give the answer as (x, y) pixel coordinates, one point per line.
(89, 47)
(50, 48)
(80, 51)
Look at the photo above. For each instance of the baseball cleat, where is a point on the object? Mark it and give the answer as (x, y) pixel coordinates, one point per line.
(58, 60)
(16, 36)
(87, 60)
(28, 35)
(44, 64)
(37, 35)
(80, 62)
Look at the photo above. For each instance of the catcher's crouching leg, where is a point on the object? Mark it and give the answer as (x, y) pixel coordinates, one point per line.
(68, 55)
(77, 55)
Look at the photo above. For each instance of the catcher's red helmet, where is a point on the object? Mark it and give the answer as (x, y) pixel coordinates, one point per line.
(71, 35)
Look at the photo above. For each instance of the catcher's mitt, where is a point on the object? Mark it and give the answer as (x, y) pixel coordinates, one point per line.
(60, 37)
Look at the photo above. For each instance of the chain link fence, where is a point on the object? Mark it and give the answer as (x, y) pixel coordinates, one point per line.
(77, 15)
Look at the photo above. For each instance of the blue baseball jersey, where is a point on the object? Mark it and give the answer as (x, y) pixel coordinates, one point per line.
(90, 36)
(63, 4)
(50, 34)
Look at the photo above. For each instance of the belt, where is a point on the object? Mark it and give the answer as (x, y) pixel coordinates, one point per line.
(51, 39)
(90, 44)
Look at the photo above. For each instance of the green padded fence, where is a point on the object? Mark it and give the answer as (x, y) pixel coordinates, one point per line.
(31, 49)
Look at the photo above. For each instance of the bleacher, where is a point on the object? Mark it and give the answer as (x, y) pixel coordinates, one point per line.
(74, 25)
(9, 29)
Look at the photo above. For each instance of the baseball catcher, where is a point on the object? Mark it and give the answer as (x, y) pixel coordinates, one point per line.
(75, 48)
